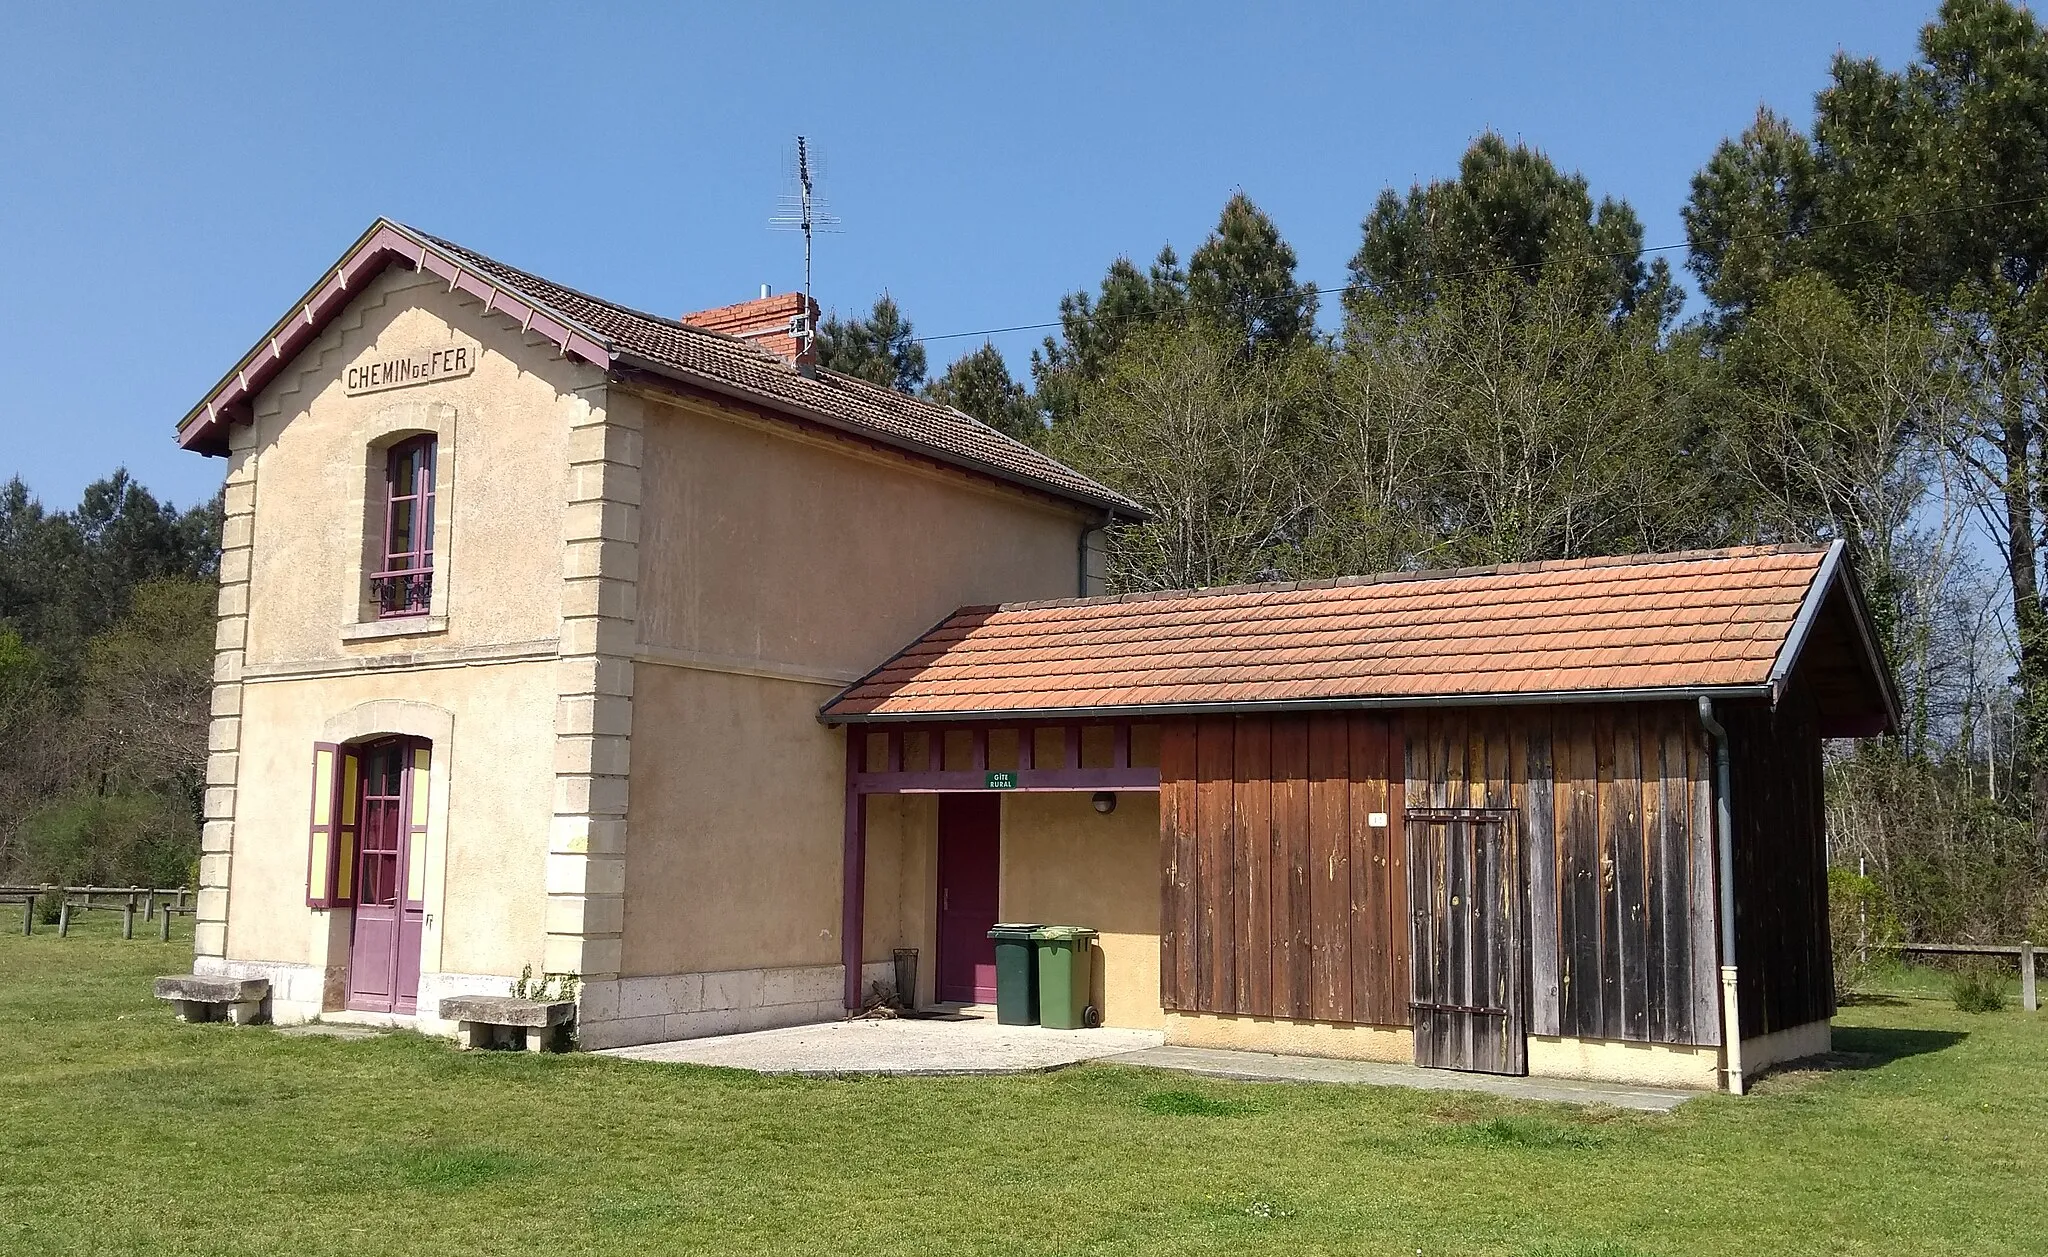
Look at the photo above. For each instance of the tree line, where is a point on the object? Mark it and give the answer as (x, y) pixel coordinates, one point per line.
(106, 667)
(1510, 379)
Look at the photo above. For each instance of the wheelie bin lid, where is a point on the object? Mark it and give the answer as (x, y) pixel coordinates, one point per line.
(1064, 934)
(1013, 932)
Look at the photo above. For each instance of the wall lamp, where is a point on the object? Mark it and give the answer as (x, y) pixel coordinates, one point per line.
(1104, 801)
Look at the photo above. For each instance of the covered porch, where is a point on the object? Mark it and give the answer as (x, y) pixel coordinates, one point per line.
(951, 826)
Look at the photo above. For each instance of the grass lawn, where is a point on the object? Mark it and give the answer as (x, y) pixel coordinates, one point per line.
(128, 1132)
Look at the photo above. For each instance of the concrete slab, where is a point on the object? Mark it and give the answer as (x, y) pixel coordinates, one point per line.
(1267, 1067)
(964, 1043)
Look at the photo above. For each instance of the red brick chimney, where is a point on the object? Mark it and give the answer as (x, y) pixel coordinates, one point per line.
(766, 321)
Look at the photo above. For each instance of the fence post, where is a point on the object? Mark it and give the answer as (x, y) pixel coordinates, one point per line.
(128, 917)
(28, 916)
(2027, 999)
(149, 906)
(64, 918)
(164, 926)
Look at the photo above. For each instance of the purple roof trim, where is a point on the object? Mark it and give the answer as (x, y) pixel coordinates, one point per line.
(386, 243)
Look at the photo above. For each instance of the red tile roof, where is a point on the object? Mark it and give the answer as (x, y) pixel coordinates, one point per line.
(616, 337)
(1706, 621)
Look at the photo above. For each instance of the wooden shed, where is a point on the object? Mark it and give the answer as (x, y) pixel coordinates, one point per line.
(1563, 818)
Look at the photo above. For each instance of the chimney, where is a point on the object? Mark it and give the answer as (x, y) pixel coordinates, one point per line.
(770, 322)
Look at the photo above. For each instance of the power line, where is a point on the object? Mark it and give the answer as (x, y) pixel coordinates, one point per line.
(1620, 256)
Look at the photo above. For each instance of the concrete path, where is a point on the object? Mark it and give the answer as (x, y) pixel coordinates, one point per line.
(967, 1042)
(970, 1041)
(1265, 1067)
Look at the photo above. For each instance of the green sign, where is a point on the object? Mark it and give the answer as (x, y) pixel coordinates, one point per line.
(1002, 781)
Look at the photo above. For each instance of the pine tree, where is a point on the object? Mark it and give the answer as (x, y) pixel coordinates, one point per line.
(880, 349)
(1242, 280)
(1511, 210)
(980, 385)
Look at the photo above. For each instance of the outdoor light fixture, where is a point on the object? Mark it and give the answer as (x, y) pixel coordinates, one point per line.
(1104, 801)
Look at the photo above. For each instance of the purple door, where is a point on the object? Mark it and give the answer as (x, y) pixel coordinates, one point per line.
(384, 941)
(970, 826)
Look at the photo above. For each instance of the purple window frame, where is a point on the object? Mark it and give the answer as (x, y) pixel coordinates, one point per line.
(403, 584)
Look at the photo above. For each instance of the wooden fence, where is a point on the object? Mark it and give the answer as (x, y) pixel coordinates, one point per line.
(2023, 952)
(158, 904)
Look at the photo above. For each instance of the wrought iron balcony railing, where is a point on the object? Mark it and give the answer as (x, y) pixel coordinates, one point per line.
(406, 592)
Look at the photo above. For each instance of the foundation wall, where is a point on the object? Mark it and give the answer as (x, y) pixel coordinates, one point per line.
(1343, 1041)
(657, 1009)
(1621, 1060)
(1815, 1038)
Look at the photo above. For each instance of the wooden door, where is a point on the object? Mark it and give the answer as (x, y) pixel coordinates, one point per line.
(1468, 941)
(970, 848)
(385, 935)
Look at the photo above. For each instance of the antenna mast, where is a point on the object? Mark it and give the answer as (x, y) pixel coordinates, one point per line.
(803, 211)
(803, 178)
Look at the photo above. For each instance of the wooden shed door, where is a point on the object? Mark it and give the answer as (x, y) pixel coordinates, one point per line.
(1468, 941)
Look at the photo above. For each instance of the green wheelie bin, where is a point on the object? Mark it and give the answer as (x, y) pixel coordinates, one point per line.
(1065, 963)
(1016, 974)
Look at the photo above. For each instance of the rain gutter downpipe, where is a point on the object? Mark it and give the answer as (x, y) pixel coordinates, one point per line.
(1724, 825)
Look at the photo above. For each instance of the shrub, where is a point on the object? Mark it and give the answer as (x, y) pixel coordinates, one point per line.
(118, 839)
(1862, 927)
(1978, 989)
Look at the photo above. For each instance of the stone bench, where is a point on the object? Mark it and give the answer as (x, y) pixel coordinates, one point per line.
(486, 1021)
(236, 1000)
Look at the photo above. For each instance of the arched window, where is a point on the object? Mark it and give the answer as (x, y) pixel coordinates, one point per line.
(404, 581)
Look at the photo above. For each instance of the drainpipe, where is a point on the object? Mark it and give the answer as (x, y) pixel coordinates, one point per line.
(1081, 564)
(1724, 825)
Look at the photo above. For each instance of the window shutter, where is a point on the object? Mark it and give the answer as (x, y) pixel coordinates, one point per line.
(351, 773)
(320, 846)
(416, 827)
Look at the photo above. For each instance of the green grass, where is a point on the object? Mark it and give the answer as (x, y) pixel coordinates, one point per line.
(126, 1132)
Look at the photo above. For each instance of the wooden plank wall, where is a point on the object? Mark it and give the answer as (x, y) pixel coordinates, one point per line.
(1785, 974)
(1279, 899)
(1617, 808)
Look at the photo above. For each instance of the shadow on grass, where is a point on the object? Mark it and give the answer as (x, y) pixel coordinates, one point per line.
(1870, 1047)
(1870, 999)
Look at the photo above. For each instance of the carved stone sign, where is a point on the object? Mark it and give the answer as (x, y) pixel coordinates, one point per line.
(423, 367)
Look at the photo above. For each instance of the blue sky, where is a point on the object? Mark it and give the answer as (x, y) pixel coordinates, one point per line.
(172, 176)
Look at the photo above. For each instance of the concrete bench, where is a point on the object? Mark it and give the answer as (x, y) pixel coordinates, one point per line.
(236, 1000)
(485, 1021)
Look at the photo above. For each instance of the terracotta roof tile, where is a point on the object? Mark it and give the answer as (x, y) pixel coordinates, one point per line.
(1644, 622)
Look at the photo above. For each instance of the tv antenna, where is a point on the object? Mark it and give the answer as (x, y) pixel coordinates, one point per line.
(803, 210)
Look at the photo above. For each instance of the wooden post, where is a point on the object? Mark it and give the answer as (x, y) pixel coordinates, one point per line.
(28, 916)
(149, 906)
(64, 918)
(128, 917)
(164, 925)
(2027, 999)
(853, 866)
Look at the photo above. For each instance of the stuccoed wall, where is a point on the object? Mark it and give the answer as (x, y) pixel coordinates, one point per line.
(776, 566)
(299, 650)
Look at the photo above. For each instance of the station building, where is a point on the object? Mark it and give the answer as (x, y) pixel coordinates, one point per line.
(560, 637)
